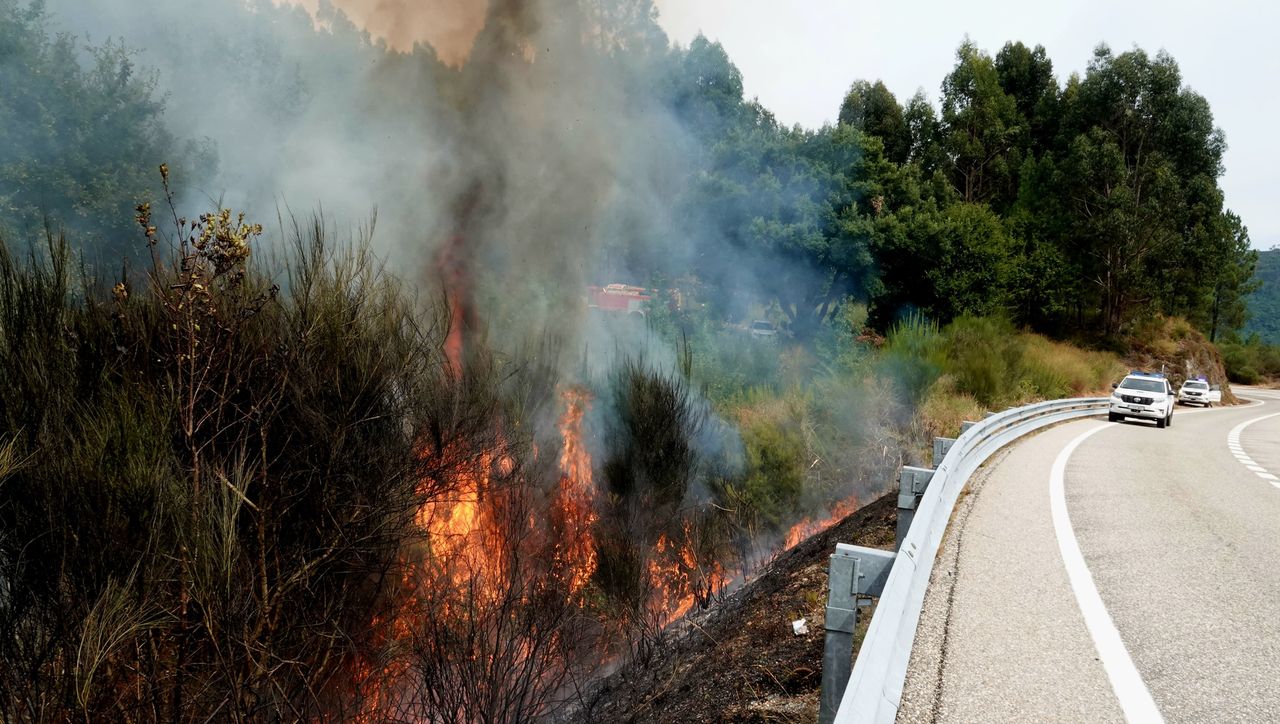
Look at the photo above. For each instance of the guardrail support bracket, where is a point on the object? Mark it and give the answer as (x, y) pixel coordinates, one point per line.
(855, 574)
(912, 482)
(941, 446)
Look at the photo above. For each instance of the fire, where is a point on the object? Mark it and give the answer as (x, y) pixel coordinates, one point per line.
(450, 265)
(810, 526)
(455, 559)
(574, 515)
(457, 527)
(679, 580)
(464, 568)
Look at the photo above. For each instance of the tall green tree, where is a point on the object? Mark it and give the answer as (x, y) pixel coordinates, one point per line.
(1231, 280)
(924, 134)
(873, 109)
(1140, 178)
(1026, 75)
(981, 126)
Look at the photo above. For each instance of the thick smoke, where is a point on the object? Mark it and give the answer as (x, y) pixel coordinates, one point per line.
(511, 160)
(523, 141)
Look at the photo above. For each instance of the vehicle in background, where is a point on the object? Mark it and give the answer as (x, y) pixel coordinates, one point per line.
(618, 298)
(1198, 391)
(631, 300)
(764, 329)
(1144, 396)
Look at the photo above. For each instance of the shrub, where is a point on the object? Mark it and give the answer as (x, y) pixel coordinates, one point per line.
(774, 478)
(218, 479)
(1062, 370)
(984, 357)
(914, 356)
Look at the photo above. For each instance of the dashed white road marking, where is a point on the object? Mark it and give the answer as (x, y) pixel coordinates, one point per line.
(1233, 444)
(1132, 692)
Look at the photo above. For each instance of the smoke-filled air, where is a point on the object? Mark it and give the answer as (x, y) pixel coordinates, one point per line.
(456, 361)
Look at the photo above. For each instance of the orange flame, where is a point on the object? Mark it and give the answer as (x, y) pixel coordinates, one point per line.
(466, 547)
(679, 579)
(574, 514)
(809, 527)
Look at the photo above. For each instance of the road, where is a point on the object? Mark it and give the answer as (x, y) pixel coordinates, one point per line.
(1151, 592)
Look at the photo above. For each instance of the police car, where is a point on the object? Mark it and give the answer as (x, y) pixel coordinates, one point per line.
(1198, 391)
(1143, 396)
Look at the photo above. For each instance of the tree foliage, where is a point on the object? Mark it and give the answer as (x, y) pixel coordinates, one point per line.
(81, 133)
(1264, 301)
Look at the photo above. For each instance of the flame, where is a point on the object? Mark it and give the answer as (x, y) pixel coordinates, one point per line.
(462, 568)
(810, 526)
(574, 514)
(456, 557)
(679, 579)
(459, 528)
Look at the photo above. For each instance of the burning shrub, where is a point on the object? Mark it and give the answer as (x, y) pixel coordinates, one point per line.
(658, 552)
(216, 480)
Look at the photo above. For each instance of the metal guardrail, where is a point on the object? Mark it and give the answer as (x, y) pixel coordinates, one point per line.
(873, 692)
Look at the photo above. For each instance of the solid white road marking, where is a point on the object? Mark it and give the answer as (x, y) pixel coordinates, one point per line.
(1126, 682)
(1233, 444)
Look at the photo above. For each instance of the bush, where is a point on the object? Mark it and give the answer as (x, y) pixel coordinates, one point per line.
(219, 481)
(914, 356)
(985, 359)
(774, 478)
(1057, 369)
(1252, 362)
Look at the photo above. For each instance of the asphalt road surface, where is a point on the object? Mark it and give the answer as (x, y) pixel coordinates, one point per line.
(1144, 584)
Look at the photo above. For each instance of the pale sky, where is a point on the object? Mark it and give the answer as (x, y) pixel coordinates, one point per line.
(799, 57)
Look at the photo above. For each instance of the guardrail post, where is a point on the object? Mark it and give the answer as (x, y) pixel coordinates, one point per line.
(855, 572)
(941, 446)
(912, 483)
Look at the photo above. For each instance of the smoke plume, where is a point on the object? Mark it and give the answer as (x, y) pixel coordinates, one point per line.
(521, 139)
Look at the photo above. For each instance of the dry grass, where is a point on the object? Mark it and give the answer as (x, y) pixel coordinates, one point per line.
(945, 408)
(1035, 368)
(1082, 372)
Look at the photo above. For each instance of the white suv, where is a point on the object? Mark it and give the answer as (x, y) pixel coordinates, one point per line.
(1143, 395)
(1199, 392)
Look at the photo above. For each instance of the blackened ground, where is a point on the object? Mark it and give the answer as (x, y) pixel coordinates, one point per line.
(741, 662)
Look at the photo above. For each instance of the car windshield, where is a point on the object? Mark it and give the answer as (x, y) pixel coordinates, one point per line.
(762, 325)
(1142, 385)
(1196, 386)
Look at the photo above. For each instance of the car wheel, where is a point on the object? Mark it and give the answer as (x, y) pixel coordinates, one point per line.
(1169, 421)
(1162, 422)
(1113, 417)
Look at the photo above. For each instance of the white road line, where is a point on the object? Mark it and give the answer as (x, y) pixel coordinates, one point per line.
(1233, 444)
(1126, 682)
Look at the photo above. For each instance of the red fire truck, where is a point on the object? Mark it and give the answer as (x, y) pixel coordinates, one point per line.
(618, 298)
